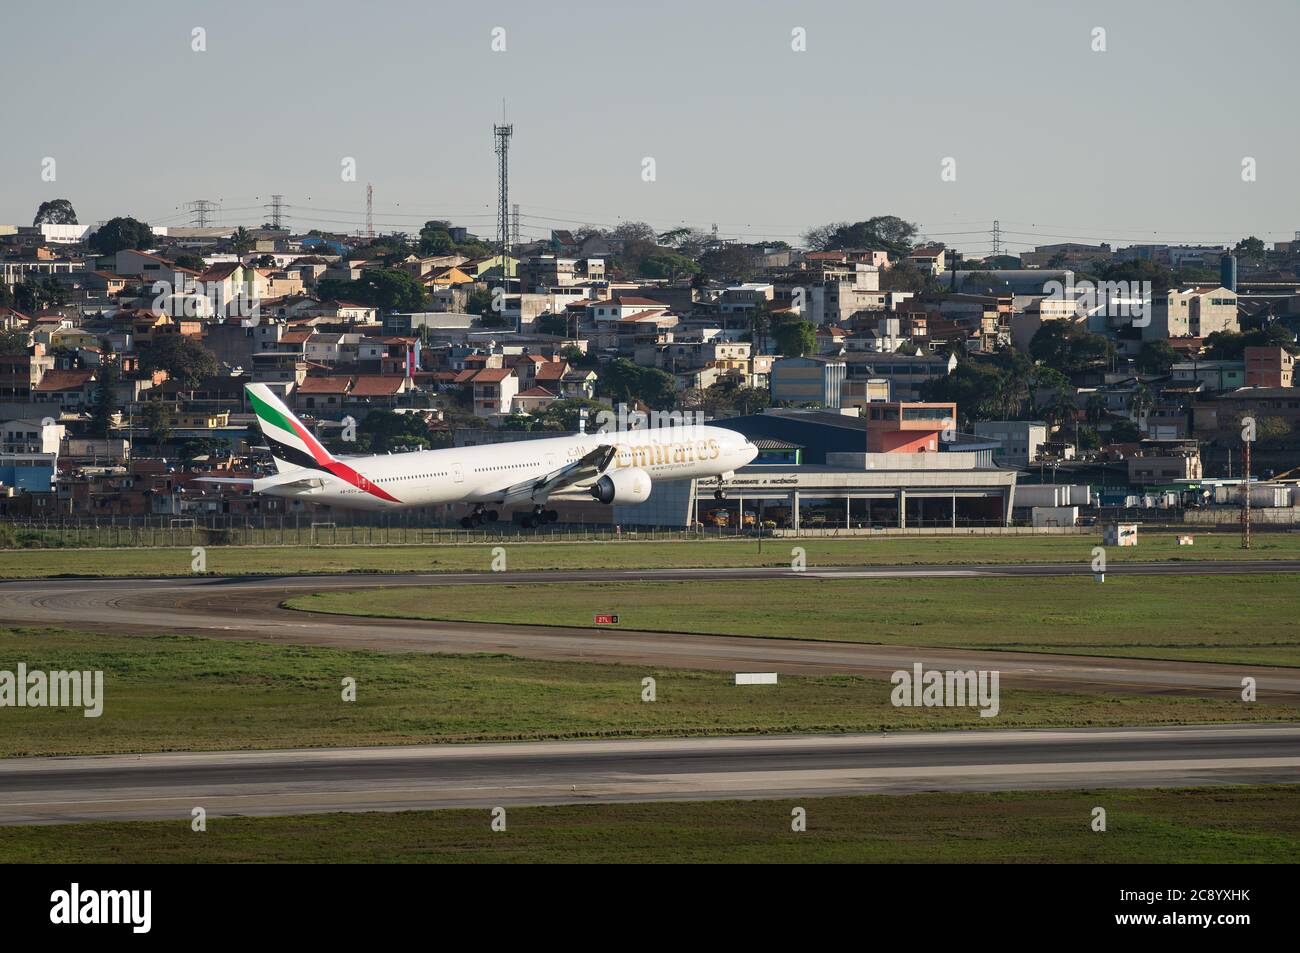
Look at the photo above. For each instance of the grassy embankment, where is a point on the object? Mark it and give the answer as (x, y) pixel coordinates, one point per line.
(1195, 825)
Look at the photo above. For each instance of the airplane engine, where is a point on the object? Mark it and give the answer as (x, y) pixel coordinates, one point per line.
(623, 486)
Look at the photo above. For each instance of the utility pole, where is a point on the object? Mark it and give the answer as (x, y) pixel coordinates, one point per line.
(1245, 498)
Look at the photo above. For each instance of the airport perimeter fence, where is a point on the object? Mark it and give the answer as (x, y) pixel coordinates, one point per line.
(225, 530)
(217, 530)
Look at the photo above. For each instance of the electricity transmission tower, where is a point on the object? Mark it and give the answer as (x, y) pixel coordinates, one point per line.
(277, 211)
(200, 212)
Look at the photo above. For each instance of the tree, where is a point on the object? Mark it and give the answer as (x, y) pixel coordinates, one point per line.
(760, 323)
(383, 430)
(1156, 357)
(738, 262)
(1272, 433)
(101, 415)
(625, 382)
(980, 389)
(190, 260)
(479, 301)
(120, 233)
(1008, 394)
(688, 242)
(1251, 247)
(519, 423)
(984, 283)
(186, 360)
(1231, 345)
(13, 340)
(633, 231)
(1095, 410)
(667, 264)
(55, 212)
(154, 417)
(1134, 272)
(1124, 431)
(821, 237)
(39, 291)
(795, 338)
(1069, 348)
(190, 450)
(888, 232)
(1059, 408)
(242, 241)
(556, 325)
(389, 289)
(727, 398)
(904, 276)
(1141, 401)
(564, 415)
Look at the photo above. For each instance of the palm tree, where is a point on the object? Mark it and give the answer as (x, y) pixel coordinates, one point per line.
(1140, 403)
(1010, 394)
(1095, 410)
(1059, 408)
(242, 241)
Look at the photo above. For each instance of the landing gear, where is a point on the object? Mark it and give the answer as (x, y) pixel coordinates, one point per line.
(538, 517)
(478, 518)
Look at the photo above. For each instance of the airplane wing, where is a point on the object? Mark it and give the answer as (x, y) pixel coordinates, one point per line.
(589, 466)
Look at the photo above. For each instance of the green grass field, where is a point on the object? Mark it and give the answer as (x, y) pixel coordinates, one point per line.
(1192, 825)
(522, 555)
(1225, 618)
(170, 693)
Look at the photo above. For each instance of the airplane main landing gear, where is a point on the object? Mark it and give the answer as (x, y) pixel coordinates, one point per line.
(538, 517)
(478, 518)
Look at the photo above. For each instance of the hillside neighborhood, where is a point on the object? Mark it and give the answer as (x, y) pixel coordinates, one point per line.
(1120, 376)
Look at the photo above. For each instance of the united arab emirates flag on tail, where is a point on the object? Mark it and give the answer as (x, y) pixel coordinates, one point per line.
(293, 447)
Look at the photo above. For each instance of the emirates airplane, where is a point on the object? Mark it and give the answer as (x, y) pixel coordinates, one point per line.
(609, 467)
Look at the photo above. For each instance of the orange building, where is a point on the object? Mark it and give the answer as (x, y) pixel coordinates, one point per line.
(902, 427)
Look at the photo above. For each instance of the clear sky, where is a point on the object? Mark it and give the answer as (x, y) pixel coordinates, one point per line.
(1141, 142)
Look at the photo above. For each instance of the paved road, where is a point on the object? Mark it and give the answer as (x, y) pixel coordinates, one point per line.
(61, 790)
(249, 608)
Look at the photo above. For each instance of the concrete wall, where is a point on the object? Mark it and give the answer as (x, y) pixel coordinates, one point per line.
(955, 460)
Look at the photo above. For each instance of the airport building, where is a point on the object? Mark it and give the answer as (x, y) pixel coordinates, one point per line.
(901, 466)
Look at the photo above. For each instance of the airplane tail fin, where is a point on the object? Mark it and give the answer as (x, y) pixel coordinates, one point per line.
(293, 446)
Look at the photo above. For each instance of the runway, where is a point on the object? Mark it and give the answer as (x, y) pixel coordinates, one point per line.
(225, 784)
(249, 608)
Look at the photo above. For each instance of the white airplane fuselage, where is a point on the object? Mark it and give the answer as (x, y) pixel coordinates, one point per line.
(477, 475)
